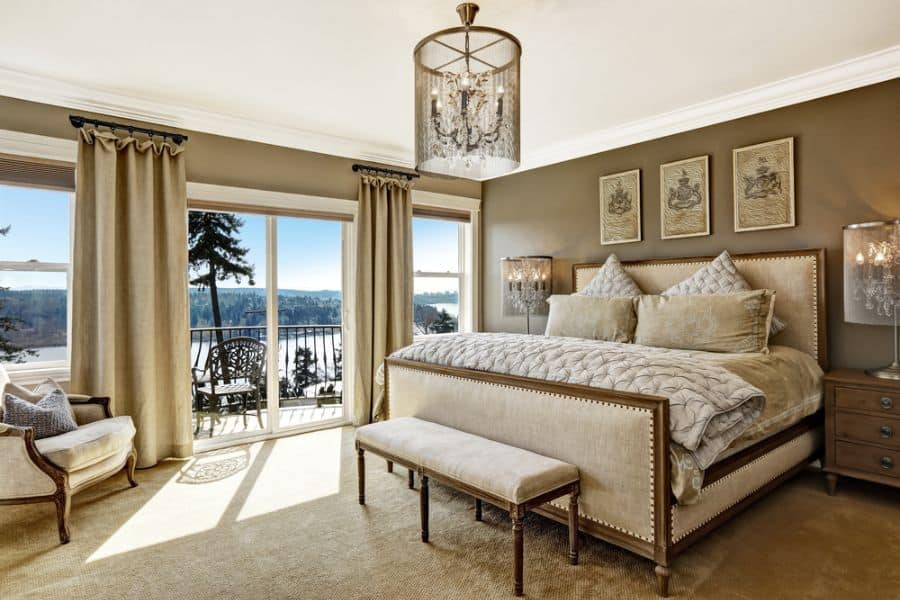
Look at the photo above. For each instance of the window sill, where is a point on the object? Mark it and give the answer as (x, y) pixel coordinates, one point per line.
(29, 374)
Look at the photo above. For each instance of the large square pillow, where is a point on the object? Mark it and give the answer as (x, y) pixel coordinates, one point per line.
(718, 277)
(49, 416)
(611, 280)
(714, 323)
(592, 318)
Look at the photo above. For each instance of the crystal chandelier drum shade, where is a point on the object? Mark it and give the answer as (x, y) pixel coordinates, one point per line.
(467, 101)
(871, 272)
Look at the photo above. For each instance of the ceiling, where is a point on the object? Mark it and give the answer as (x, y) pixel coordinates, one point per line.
(337, 76)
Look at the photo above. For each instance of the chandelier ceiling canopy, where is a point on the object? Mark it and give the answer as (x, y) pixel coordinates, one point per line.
(467, 100)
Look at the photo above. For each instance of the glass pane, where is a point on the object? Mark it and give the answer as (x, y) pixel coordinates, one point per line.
(435, 245)
(35, 308)
(227, 301)
(435, 305)
(310, 361)
(38, 222)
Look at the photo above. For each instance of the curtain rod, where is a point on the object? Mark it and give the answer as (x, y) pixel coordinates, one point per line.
(79, 122)
(409, 176)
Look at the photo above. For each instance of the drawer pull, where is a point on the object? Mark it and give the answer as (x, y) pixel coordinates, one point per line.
(887, 403)
(887, 431)
(887, 463)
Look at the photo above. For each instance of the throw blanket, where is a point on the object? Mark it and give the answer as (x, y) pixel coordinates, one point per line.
(709, 406)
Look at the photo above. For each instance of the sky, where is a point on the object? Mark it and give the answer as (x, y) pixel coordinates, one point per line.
(309, 250)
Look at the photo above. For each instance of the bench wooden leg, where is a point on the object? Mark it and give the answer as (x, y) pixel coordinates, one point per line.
(423, 505)
(518, 551)
(573, 527)
(662, 580)
(477, 509)
(361, 474)
(412, 479)
(390, 466)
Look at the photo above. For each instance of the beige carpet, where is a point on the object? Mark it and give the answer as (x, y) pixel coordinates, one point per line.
(280, 520)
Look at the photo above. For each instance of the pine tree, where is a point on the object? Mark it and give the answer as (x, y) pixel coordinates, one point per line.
(305, 370)
(215, 254)
(9, 352)
(444, 323)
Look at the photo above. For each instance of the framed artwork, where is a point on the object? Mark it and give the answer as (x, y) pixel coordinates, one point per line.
(684, 198)
(620, 207)
(764, 186)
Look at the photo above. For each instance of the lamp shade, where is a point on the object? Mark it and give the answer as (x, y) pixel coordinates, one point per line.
(527, 283)
(871, 272)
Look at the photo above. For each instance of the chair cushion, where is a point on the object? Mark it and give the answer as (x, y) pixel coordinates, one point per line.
(88, 444)
(49, 416)
(510, 473)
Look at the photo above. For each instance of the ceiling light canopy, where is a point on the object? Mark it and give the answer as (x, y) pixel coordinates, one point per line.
(467, 100)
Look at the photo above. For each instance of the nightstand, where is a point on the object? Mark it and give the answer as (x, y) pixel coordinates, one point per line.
(862, 428)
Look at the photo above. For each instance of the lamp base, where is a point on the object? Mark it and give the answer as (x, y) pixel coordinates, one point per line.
(889, 372)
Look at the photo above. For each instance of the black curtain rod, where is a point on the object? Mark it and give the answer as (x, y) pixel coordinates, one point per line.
(79, 122)
(409, 176)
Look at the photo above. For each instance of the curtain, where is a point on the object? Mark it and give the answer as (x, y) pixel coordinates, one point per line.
(129, 294)
(384, 295)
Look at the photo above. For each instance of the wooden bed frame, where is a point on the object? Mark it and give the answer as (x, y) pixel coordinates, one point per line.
(663, 548)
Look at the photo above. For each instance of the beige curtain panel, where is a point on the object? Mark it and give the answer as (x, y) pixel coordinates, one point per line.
(384, 295)
(129, 296)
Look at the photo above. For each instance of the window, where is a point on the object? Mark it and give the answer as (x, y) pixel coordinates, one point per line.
(439, 277)
(34, 276)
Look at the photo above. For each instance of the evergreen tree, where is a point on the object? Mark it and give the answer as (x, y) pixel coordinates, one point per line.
(305, 372)
(444, 323)
(9, 352)
(215, 254)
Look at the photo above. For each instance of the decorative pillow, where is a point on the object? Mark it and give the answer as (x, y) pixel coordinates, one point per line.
(718, 277)
(715, 323)
(33, 396)
(611, 280)
(592, 318)
(49, 416)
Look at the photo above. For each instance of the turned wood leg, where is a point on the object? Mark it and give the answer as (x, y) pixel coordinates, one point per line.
(361, 474)
(412, 479)
(130, 464)
(477, 509)
(63, 503)
(662, 580)
(573, 527)
(423, 505)
(518, 551)
(390, 466)
(831, 481)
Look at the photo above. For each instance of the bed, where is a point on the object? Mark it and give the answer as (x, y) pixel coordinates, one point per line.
(622, 441)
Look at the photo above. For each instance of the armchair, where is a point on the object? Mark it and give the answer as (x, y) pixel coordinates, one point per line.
(53, 469)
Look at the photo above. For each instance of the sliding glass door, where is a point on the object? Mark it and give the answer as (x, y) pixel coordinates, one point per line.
(267, 327)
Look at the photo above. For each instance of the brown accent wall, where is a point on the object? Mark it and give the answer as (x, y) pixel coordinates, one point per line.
(847, 166)
(229, 161)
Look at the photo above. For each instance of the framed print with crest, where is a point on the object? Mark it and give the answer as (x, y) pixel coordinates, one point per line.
(684, 198)
(620, 207)
(764, 186)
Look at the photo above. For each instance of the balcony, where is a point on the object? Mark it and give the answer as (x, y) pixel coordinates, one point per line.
(310, 390)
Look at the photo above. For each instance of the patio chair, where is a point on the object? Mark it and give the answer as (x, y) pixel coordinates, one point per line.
(234, 368)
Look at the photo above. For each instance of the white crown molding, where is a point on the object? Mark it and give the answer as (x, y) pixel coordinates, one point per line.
(840, 77)
(35, 88)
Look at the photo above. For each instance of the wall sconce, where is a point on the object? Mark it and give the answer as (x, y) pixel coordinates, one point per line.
(527, 283)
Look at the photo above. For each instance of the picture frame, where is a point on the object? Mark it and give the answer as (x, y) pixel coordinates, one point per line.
(764, 186)
(620, 207)
(684, 198)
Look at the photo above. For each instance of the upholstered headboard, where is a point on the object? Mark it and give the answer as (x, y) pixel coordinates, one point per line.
(797, 276)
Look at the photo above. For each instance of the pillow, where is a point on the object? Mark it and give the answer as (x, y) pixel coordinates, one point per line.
(611, 280)
(715, 323)
(718, 277)
(592, 318)
(33, 396)
(49, 416)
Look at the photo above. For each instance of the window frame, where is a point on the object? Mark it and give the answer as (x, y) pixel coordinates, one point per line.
(468, 249)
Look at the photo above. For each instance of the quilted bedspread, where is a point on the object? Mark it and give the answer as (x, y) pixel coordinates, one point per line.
(709, 406)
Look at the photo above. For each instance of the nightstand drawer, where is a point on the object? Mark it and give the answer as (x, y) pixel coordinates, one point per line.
(868, 458)
(868, 428)
(871, 400)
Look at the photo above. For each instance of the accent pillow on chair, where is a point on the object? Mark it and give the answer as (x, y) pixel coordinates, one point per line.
(49, 416)
(719, 277)
(611, 280)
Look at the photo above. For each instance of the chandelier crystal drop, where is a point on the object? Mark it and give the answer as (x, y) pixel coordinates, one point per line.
(467, 100)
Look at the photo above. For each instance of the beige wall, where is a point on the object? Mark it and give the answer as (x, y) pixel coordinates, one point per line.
(229, 161)
(847, 153)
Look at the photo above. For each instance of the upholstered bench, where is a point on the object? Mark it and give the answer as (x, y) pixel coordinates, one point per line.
(510, 478)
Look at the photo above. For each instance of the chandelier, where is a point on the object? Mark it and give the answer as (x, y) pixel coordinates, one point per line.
(467, 100)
